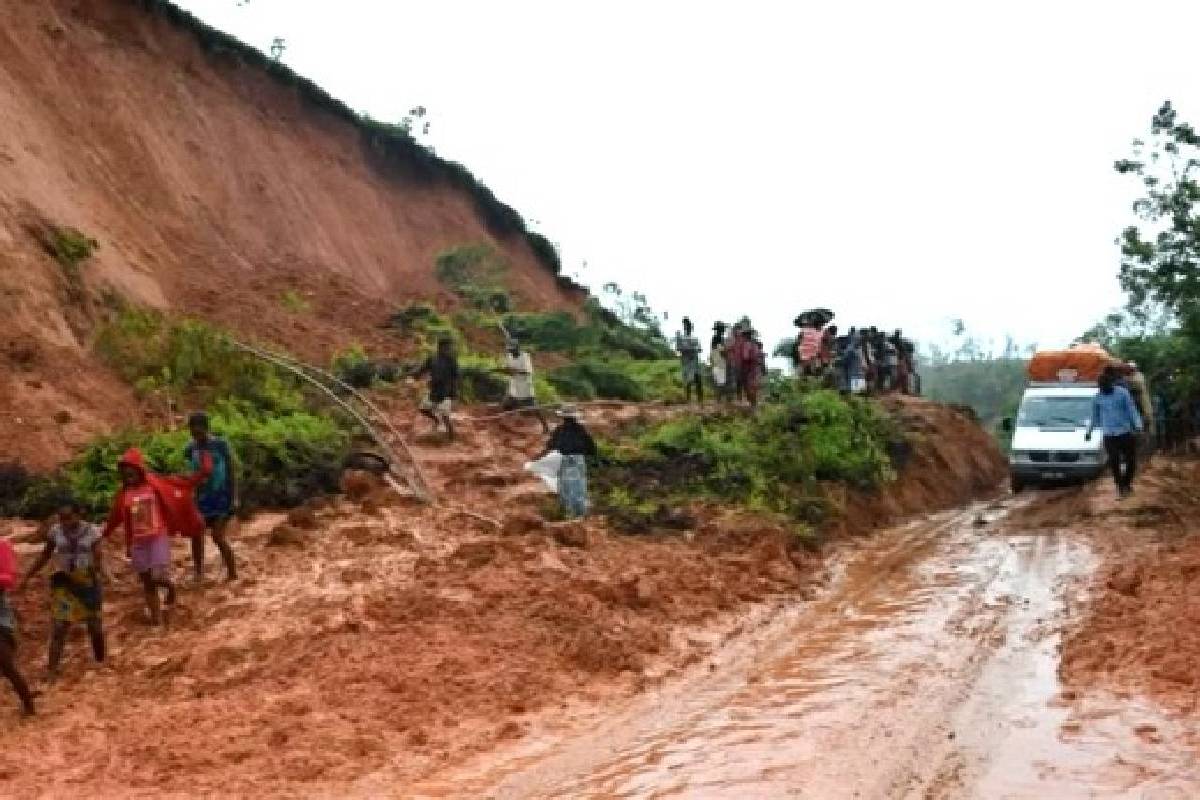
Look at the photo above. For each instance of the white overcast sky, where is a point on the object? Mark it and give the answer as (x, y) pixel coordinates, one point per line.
(904, 163)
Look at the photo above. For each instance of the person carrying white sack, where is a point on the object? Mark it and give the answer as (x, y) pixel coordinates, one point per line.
(573, 445)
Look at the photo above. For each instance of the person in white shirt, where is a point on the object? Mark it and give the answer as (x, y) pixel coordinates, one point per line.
(519, 367)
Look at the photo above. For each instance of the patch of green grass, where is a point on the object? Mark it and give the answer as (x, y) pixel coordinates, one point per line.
(770, 462)
(71, 248)
(295, 302)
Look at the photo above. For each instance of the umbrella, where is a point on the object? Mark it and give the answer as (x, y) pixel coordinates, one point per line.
(814, 318)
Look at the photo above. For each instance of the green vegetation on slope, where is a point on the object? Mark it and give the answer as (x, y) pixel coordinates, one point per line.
(772, 462)
(288, 445)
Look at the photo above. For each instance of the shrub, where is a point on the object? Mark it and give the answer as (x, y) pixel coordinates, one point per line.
(594, 378)
(353, 367)
(476, 274)
(426, 324)
(769, 462)
(15, 481)
(555, 331)
(70, 248)
(280, 460)
(193, 359)
(479, 382)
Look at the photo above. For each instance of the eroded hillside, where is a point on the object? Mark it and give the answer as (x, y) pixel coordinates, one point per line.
(212, 185)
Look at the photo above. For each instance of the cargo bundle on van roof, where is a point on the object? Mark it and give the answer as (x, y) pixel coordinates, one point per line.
(1081, 363)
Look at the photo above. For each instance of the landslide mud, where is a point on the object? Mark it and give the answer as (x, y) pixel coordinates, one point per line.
(978, 654)
(375, 645)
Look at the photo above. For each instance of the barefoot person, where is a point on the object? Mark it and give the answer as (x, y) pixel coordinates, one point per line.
(150, 508)
(8, 628)
(442, 369)
(1115, 413)
(75, 594)
(216, 498)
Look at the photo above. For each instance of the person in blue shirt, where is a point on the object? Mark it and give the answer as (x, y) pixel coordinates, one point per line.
(1115, 413)
(216, 497)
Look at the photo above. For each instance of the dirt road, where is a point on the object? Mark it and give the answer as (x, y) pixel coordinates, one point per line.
(927, 670)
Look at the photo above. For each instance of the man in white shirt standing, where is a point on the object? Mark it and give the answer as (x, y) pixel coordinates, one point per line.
(519, 367)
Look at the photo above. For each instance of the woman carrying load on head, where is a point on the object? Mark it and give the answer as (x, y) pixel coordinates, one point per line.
(719, 363)
(75, 594)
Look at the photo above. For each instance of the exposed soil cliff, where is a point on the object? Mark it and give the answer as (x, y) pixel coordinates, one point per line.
(212, 186)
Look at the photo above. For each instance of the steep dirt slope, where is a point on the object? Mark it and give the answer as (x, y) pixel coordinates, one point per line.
(211, 188)
(375, 643)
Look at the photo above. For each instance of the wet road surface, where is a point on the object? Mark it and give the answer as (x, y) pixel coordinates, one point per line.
(927, 670)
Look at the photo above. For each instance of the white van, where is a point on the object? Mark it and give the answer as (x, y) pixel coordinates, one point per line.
(1048, 442)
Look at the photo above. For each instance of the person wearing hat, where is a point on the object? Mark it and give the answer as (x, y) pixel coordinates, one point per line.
(216, 497)
(688, 347)
(442, 369)
(718, 363)
(572, 440)
(518, 365)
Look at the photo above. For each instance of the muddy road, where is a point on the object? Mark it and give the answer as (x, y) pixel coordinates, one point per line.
(927, 669)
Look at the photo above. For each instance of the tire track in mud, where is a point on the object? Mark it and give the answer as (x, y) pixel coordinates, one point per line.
(928, 669)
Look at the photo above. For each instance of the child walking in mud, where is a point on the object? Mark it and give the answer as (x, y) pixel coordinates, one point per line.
(150, 508)
(8, 628)
(216, 498)
(75, 593)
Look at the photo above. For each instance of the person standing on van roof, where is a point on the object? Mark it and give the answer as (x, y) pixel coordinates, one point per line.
(1115, 413)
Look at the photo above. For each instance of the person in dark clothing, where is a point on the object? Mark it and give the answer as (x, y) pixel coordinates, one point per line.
(442, 369)
(1116, 414)
(217, 497)
(572, 440)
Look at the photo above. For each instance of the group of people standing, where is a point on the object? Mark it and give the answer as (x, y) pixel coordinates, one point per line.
(863, 360)
(737, 362)
(149, 509)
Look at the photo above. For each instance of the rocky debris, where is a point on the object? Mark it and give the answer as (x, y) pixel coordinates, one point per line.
(357, 484)
(474, 555)
(572, 534)
(302, 517)
(283, 535)
(522, 523)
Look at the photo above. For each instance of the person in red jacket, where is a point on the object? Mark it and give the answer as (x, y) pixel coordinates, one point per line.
(8, 628)
(150, 508)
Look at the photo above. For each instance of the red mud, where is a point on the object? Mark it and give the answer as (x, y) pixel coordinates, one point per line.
(211, 189)
(1138, 633)
(403, 640)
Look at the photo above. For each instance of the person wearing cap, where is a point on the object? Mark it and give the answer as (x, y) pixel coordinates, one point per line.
(442, 369)
(572, 440)
(688, 347)
(217, 497)
(518, 365)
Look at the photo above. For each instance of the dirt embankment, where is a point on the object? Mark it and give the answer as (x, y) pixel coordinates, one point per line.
(372, 642)
(1138, 630)
(212, 188)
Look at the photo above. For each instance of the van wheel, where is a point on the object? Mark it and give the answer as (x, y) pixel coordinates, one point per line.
(1016, 484)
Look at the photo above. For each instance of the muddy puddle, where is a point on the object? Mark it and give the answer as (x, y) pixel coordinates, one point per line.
(928, 669)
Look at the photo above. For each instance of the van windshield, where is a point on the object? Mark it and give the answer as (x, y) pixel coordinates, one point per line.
(1055, 412)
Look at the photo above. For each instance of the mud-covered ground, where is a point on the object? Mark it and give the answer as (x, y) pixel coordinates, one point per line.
(1031, 647)
(374, 644)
